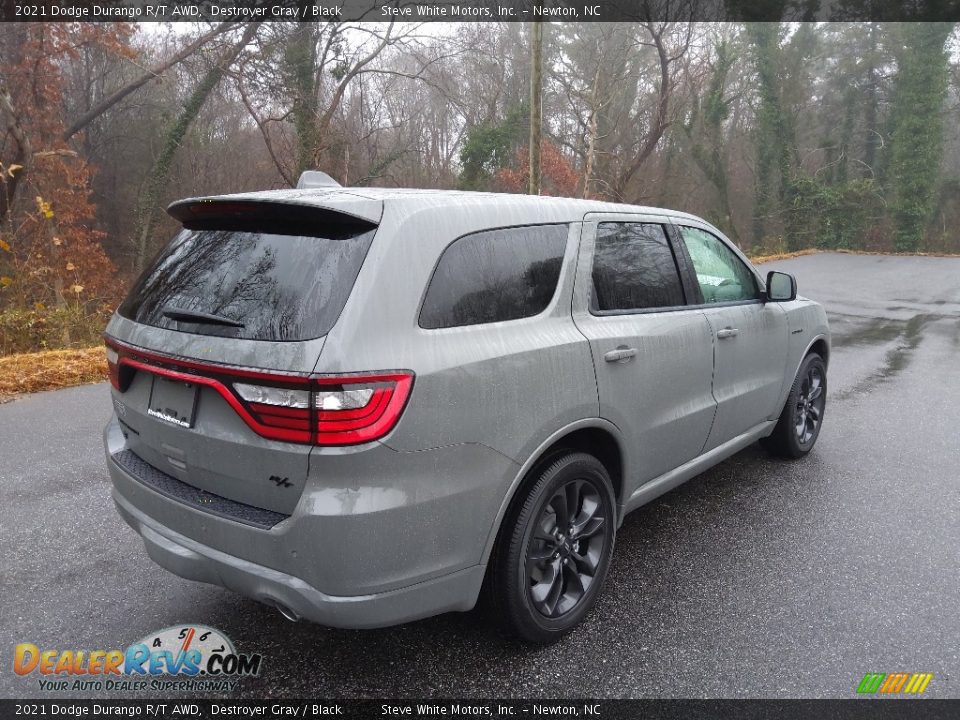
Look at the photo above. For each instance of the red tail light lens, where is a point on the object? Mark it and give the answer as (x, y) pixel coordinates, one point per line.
(320, 410)
(275, 407)
(360, 409)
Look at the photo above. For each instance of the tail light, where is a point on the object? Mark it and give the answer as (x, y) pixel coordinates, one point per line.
(334, 410)
(113, 367)
(312, 409)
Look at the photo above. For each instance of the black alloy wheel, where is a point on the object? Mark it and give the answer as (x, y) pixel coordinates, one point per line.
(554, 548)
(800, 422)
(810, 404)
(564, 553)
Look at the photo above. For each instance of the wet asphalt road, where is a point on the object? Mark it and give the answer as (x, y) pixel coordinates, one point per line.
(757, 579)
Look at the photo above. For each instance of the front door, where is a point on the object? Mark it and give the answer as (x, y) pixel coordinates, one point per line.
(652, 354)
(750, 336)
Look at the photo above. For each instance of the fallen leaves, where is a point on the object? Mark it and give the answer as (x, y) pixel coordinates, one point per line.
(52, 369)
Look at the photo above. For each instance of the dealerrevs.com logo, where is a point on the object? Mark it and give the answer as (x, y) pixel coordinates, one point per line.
(185, 657)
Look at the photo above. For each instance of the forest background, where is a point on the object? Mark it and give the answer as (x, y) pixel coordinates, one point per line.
(835, 136)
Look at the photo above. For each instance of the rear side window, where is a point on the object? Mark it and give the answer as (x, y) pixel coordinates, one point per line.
(634, 268)
(495, 275)
(256, 285)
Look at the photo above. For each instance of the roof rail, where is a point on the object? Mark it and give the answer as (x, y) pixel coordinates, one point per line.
(315, 179)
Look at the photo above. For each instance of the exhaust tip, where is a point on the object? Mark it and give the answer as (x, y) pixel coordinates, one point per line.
(288, 613)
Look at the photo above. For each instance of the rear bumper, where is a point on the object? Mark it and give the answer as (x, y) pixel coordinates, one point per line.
(194, 561)
(378, 537)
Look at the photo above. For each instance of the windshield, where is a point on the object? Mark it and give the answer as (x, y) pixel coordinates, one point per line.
(256, 285)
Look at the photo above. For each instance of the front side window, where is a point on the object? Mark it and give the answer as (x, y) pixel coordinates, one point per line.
(495, 275)
(722, 276)
(634, 268)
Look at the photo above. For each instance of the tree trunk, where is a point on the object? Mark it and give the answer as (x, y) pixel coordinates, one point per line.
(161, 166)
(59, 301)
(917, 144)
(776, 135)
(14, 38)
(872, 140)
(300, 57)
(661, 118)
(536, 105)
(591, 134)
(23, 155)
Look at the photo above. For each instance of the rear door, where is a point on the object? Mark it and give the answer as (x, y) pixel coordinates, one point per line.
(216, 339)
(652, 353)
(750, 336)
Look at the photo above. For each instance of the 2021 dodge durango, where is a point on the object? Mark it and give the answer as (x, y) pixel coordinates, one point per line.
(364, 406)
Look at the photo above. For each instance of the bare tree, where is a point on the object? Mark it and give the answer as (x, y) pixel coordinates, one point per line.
(658, 124)
(115, 97)
(175, 134)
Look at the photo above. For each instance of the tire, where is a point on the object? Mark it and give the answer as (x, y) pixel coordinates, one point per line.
(799, 425)
(544, 579)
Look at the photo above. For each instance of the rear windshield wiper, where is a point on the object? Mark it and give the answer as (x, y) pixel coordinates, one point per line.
(196, 316)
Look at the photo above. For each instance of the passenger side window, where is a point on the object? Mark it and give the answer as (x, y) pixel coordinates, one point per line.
(634, 268)
(722, 276)
(495, 275)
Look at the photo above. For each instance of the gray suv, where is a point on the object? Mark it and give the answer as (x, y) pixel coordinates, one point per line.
(364, 406)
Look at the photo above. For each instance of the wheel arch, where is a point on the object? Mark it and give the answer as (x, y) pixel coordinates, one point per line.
(594, 436)
(821, 347)
(820, 344)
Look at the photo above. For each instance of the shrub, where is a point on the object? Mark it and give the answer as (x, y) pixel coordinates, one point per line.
(42, 328)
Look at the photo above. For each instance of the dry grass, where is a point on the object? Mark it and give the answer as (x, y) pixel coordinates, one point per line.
(898, 254)
(49, 370)
(757, 259)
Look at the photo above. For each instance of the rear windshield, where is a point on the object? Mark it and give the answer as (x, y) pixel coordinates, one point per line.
(251, 285)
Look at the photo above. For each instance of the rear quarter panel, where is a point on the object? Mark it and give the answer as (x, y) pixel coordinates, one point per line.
(485, 397)
(507, 385)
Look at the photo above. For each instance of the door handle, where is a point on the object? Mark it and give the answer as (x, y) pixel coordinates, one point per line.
(621, 355)
(727, 332)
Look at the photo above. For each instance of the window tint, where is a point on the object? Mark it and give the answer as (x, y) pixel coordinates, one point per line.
(495, 275)
(264, 286)
(633, 268)
(722, 275)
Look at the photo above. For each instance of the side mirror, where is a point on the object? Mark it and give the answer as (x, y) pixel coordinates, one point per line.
(781, 287)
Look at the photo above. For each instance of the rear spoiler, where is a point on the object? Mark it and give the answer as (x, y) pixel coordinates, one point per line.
(278, 216)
